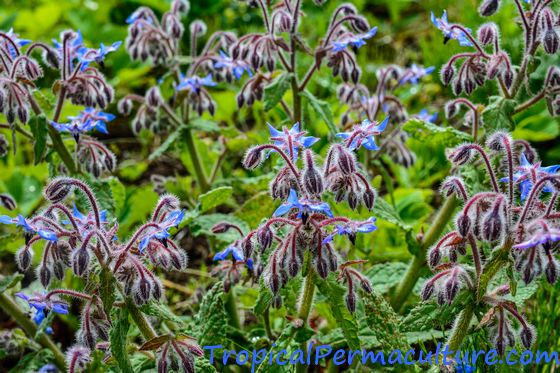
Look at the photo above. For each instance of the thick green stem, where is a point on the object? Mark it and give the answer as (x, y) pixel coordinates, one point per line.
(12, 309)
(231, 309)
(419, 261)
(195, 158)
(305, 308)
(140, 320)
(461, 328)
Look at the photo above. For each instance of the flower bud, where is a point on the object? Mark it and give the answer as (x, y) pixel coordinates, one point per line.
(369, 198)
(360, 24)
(451, 109)
(7, 201)
(125, 106)
(447, 72)
(58, 190)
(264, 237)
(493, 225)
(3, 142)
(487, 33)
(311, 178)
(351, 302)
(527, 336)
(551, 271)
(463, 223)
(551, 41)
(221, 227)
(198, 28)
(24, 256)
(488, 7)
(322, 267)
(153, 97)
(427, 291)
(460, 155)
(346, 162)
(80, 261)
(434, 257)
(253, 158)
(44, 274)
(508, 78)
(366, 285)
(451, 289)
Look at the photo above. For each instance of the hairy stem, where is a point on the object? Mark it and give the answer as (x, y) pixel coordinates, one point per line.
(305, 307)
(419, 261)
(141, 321)
(12, 309)
(231, 309)
(461, 328)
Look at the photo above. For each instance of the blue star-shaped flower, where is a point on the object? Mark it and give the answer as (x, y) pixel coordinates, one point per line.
(426, 116)
(238, 67)
(413, 74)
(356, 41)
(541, 237)
(15, 38)
(39, 302)
(236, 254)
(20, 221)
(351, 228)
(364, 134)
(88, 55)
(528, 174)
(98, 118)
(303, 206)
(75, 45)
(448, 32)
(194, 83)
(291, 140)
(161, 232)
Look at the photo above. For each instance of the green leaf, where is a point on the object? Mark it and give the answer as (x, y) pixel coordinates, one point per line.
(214, 198)
(497, 115)
(387, 212)
(434, 134)
(264, 299)
(429, 315)
(383, 321)
(384, 276)
(323, 109)
(211, 318)
(202, 225)
(118, 338)
(202, 365)
(256, 208)
(334, 294)
(7, 282)
(32, 361)
(497, 261)
(40, 129)
(160, 310)
(107, 286)
(166, 145)
(274, 92)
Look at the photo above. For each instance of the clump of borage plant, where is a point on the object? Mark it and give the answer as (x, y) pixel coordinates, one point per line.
(300, 233)
(118, 275)
(489, 62)
(79, 82)
(508, 232)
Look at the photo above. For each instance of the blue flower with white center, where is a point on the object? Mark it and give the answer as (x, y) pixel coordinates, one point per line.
(99, 119)
(291, 140)
(194, 83)
(541, 237)
(238, 67)
(364, 134)
(413, 74)
(88, 55)
(356, 41)
(20, 221)
(351, 228)
(41, 303)
(15, 38)
(450, 33)
(303, 206)
(528, 174)
(426, 116)
(161, 233)
(75, 127)
(236, 253)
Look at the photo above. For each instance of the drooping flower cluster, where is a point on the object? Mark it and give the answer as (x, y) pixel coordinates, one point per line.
(540, 26)
(523, 226)
(303, 226)
(87, 243)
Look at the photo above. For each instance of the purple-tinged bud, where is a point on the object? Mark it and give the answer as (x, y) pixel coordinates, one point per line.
(434, 257)
(355, 75)
(463, 223)
(274, 283)
(352, 199)
(156, 290)
(457, 86)
(80, 261)
(451, 289)
(360, 24)
(488, 7)
(23, 114)
(346, 162)
(366, 285)
(125, 106)
(253, 158)
(198, 28)
(277, 302)
(58, 270)
(508, 78)
(461, 155)
(493, 225)
(451, 109)
(551, 271)
(369, 198)
(351, 301)
(487, 33)
(51, 58)
(500, 346)
(264, 237)
(58, 190)
(427, 291)
(248, 247)
(447, 72)
(10, 115)
(311, 178)
(527, 336)
(153, 97)
(24, 256)
(44, 274)
(322, 267)
(3, 142)
(469, 86)
(240, 100)
(7, 201)
(551, 41)
(221, 227)
(440, 298)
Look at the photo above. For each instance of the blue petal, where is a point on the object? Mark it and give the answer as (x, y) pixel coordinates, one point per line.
(61, 309)
(249, 263)
(308, 141)
(5, 219)
(273, 131)
(282, 209)
(47, 235)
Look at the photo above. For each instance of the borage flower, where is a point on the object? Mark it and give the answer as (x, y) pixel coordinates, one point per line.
(88, 55)
(237, 67)
(528, 174)
(449, 32)
(161, 232)
(304, 207)
(30, 228)
(364, 134)
(425, 116)
(413, 74)
(355, 41)
(194, 83)
(351, 228)
(98, 117)
(291, 140)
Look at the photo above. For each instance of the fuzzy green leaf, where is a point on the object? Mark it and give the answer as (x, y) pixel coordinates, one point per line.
(274, 92)
(118, 338)
(497, 115)
(323, 110)
(383, 321)
(434, 134)
(160, 310)
(211, 318)
(214, 198)
(166, 145)
(40, 128)
(7, 282)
